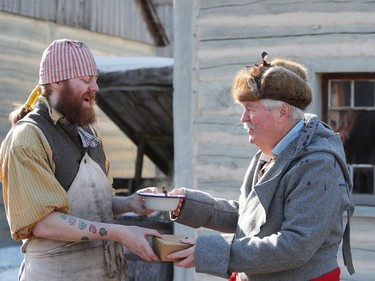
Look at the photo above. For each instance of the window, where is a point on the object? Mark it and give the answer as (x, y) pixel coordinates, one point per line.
(349, 108)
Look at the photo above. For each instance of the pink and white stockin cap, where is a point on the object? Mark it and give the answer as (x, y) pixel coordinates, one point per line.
(66, 59)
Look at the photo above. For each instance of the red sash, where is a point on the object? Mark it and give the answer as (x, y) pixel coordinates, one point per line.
(330, 276)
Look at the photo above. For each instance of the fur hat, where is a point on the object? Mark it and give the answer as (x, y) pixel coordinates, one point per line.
(65, 59)
(281, 79)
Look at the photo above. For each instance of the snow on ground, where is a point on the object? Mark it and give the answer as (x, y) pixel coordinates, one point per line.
(10, 260)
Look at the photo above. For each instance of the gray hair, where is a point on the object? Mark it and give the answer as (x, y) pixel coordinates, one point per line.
(296, 114)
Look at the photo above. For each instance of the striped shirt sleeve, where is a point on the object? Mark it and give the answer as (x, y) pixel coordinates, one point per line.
(30, 189)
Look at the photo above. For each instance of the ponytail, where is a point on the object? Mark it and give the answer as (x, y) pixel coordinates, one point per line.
(22, 110)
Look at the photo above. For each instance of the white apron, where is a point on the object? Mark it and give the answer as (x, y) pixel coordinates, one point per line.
(89, 197)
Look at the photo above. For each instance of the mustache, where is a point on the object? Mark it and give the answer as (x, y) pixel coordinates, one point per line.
(248, 126)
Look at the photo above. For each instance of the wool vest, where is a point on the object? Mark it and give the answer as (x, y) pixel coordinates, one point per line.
(65, 143)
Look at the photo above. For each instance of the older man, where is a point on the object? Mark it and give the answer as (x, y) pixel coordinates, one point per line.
(56, 178)
(287, 223)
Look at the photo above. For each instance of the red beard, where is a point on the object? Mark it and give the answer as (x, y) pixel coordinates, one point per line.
(71, 106)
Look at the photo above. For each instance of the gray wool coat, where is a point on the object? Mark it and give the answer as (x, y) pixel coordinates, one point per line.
(288, 226)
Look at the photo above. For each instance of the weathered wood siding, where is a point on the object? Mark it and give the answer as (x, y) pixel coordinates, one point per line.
(119, 18)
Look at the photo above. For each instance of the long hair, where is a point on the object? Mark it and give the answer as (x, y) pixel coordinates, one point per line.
(22, 110)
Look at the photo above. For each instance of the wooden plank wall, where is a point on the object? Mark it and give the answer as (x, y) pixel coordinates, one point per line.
(119, 18)
(113, 17)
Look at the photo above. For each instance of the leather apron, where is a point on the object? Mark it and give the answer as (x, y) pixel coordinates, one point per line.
(89, 197)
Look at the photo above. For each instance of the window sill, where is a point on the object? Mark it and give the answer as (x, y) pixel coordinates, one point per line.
(364, 212)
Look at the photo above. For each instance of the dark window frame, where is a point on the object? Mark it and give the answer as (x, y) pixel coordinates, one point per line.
(359, 199)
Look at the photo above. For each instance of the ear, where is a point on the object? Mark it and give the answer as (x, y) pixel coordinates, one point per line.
(284, 112)
(55, 89)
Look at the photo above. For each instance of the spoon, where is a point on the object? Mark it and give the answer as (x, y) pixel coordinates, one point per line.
(165, 191)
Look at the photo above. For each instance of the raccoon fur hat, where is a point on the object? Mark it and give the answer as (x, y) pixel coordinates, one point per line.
(281, 79)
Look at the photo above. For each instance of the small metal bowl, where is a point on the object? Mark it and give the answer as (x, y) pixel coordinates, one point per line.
(160, 201)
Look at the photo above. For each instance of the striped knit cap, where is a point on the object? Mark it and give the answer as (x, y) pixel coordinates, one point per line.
(66, 59)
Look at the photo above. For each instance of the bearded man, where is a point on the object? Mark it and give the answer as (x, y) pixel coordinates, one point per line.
(56, 178)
